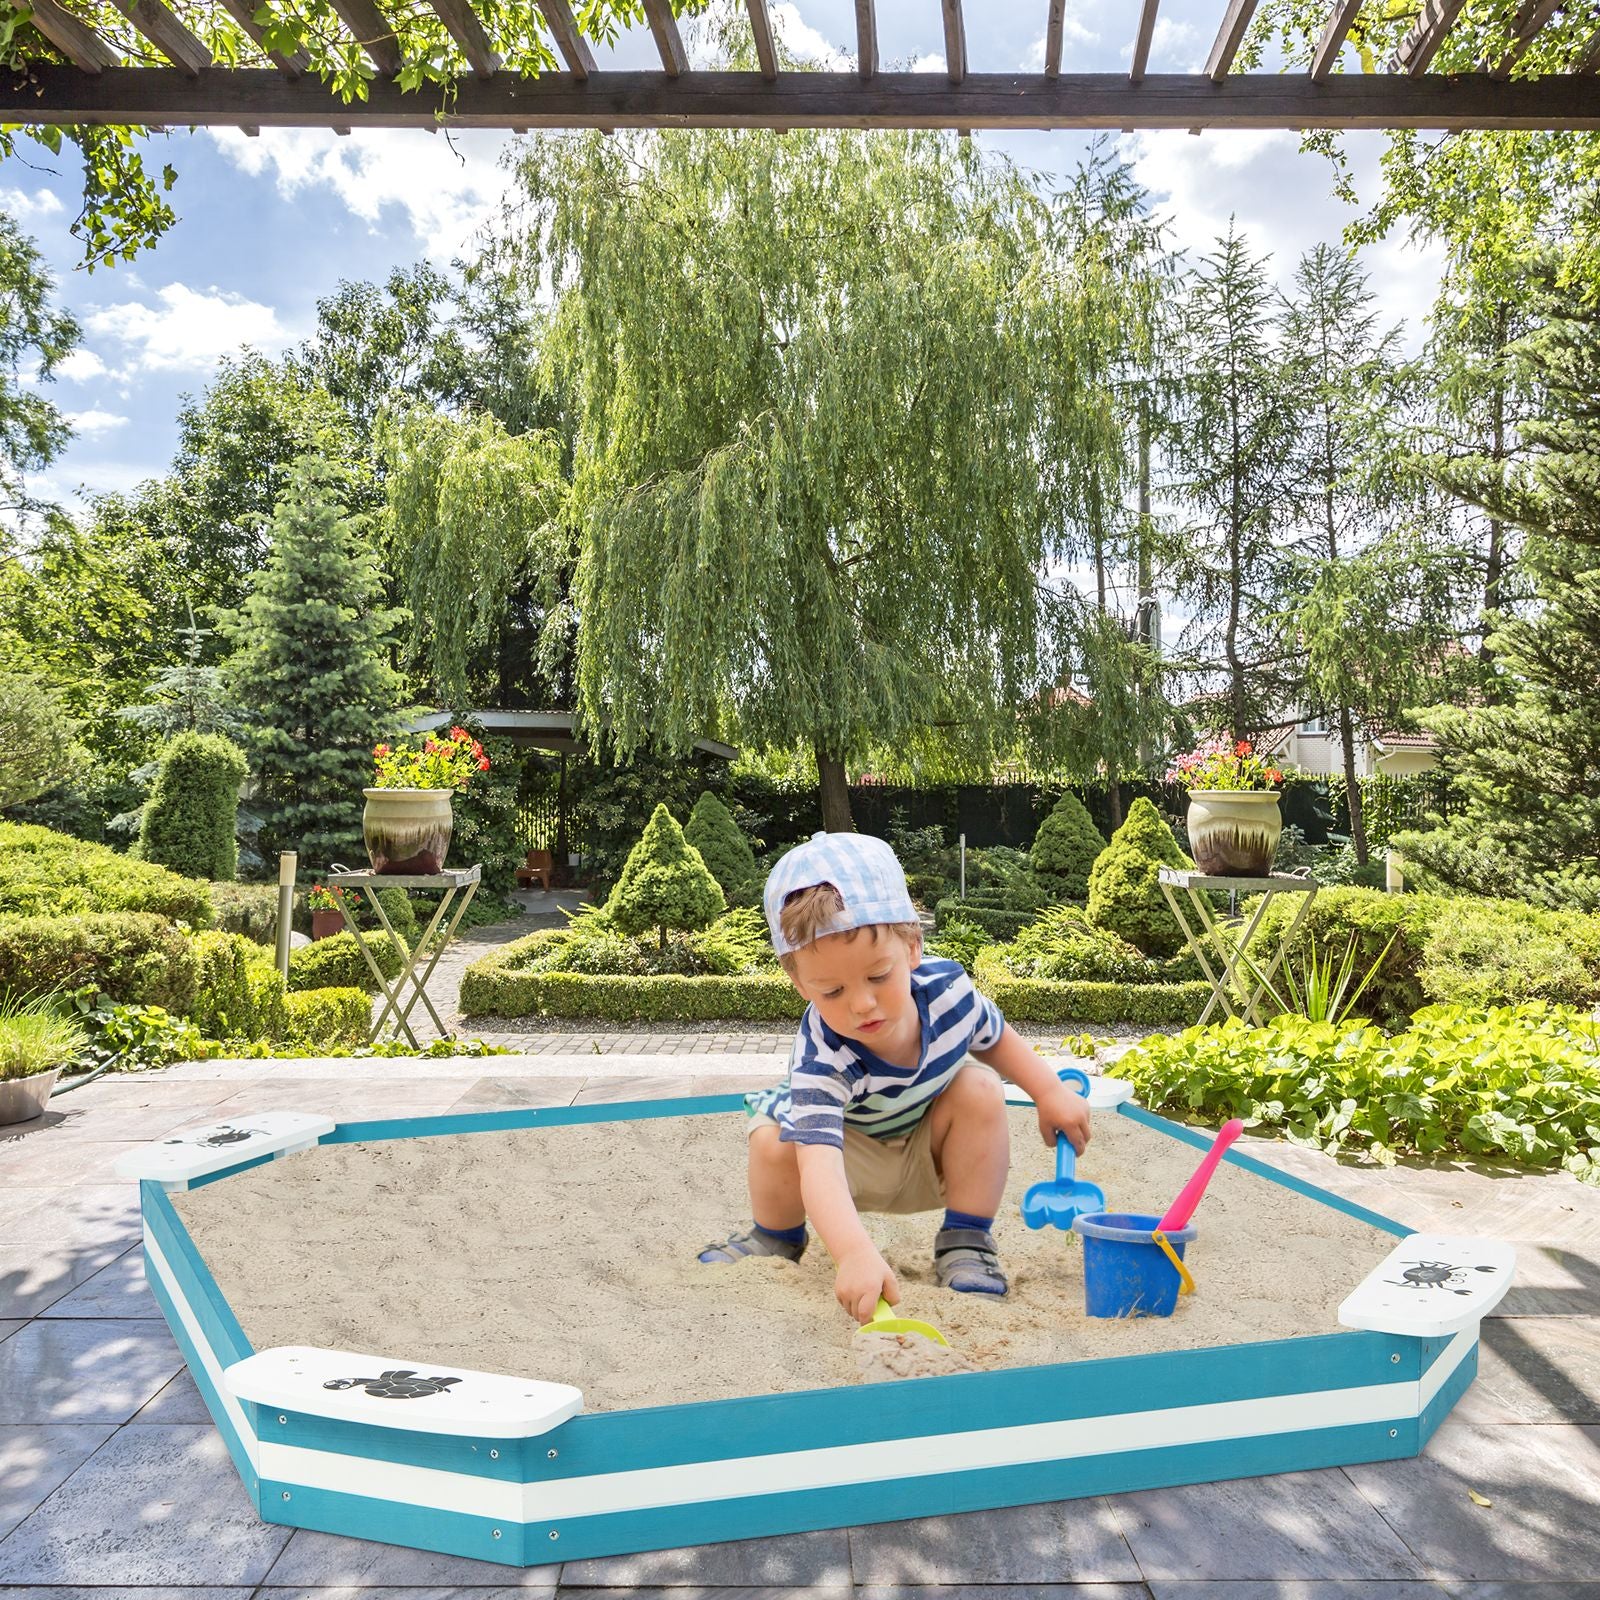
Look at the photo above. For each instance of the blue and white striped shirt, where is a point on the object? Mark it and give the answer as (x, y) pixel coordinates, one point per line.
(832, 1078)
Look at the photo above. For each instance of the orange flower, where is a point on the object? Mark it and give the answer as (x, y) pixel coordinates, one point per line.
(1242, 748)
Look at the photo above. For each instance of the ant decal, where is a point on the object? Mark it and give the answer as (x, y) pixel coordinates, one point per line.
(401, 1383)
(1435, 1275)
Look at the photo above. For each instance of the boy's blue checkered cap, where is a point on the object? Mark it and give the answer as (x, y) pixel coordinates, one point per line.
(864, 870)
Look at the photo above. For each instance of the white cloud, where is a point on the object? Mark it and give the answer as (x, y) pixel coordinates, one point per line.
(1072, 31)
(91, 424)
(933, 61)
(806, 42)
(81, 366)
(1174, 47)
(188, 330)
(27, 207)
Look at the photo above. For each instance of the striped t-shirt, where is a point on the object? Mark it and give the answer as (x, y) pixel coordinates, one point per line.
(832, 1078)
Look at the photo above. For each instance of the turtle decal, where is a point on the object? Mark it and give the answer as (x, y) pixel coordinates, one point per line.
(1436, 1275)
(224, 1135)
(400, 1383)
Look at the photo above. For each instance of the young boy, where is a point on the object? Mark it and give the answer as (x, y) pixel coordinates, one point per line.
(881, 1111)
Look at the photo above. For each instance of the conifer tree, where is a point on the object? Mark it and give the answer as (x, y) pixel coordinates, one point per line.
(1066, 847)
(665, 884)
(190, 818)
(1124, 894)
(724, 849)
(311, 661)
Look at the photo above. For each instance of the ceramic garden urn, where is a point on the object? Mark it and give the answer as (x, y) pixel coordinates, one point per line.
(407, 830)
(1233, 832)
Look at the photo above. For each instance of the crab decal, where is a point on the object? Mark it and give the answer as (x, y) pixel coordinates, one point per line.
(1436, 1275)
(401, 1383)
(220, 1136)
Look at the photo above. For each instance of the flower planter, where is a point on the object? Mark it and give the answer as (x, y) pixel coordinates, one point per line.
(23, 1099)
(1233, 832)
(324, 924)
(407, 830)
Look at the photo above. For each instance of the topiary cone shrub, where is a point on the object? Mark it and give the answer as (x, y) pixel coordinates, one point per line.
(1124, 895)
(193, 810)
(1066, 848)
(724, 849)
(665, 884)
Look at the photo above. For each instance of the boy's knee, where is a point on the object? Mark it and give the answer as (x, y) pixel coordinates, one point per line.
(765, 1144)
(981, 1089)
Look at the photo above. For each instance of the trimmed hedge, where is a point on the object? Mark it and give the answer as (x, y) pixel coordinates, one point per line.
(337, 963)
(43, 872)
(317, 1018)
(132, 957)
(247, 908)
(239, 993)
(1147, 1004)
(995, 921)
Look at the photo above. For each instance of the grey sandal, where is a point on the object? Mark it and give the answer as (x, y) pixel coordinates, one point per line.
(753, 1243)
(965, 1260)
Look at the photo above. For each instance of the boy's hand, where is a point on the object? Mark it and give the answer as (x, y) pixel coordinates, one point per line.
(862, 1277)
(1064, 1111)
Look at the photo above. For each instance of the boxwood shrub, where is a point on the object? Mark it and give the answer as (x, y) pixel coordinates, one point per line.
(1144, 1004)
(337, 963)
(239, 993)
(998, 922)
(133, 957)
(320, 1018)
(247, 908)
(43, 872)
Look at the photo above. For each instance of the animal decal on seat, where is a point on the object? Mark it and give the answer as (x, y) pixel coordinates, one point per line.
(400, 1383)
(1435, 1275)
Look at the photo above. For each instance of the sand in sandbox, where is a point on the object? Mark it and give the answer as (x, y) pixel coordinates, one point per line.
(569, 1254)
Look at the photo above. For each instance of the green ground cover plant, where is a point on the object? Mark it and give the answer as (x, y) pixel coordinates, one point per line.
(317, 1018)
(1519, 1082)
(999, 922)
(43, 872)
(239, 993)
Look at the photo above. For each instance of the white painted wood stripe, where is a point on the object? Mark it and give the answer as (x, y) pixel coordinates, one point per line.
(202, 1344)
(1451, 1357)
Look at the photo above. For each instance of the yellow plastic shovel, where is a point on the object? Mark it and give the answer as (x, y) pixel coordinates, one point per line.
(884, 1321)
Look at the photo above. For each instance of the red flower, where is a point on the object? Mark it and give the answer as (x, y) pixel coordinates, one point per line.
(1242, 748)
(1273, 775)
(459, 733)
(483, 763)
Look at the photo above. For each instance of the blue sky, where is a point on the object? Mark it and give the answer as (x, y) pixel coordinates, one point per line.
(269, 225)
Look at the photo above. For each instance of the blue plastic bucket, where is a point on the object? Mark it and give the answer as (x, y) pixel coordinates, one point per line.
(1125, 1272)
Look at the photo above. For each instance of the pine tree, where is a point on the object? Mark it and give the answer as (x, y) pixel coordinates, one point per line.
(189, 820)
(724, 849)
(311, 660)
(1066, 847)
(665, 884)
(1124, 894)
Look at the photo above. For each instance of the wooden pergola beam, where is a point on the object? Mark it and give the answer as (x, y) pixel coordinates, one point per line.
(372, 32)
(761, 27)
(669, 42)
(244, 13)
(1531, 19)
(469, 34)
(1333, 38)
(167, 34)
(1229, 37)
(573, 46)
(866, 39)
(1141, 43)
(76, 40)
(1054, 35)
(144, 96)
(1421, 44)
(955, 41)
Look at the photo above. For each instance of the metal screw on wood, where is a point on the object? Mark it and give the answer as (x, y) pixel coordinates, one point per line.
(285, 1494)
(551, 1454)
(283, 1421)
(554, 1534)
(494, 1455)
(1395, 1358)
(494, 1533)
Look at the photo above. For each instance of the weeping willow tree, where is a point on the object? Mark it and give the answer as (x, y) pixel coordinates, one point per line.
(809, 373)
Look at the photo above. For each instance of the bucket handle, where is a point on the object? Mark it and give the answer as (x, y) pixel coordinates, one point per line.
(1185, 1282)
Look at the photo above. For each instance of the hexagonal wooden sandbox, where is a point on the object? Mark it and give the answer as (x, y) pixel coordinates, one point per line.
(407, 1446)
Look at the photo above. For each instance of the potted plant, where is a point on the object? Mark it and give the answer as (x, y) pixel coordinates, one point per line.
(326, 917)
(1233, 808)
(35, 1044)
(408, 821)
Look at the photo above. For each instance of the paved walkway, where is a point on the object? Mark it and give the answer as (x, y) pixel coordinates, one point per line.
(114, 1486)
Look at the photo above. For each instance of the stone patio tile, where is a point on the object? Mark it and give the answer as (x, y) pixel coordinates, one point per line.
(1065, 1540)
(1004, 1591)
(35, 1460)
(731, 1085)
(503, 1094)
(800, 1561)
(320, 1561)
(1534, 1369)
(125, 1591)
(1553, 1280)
(9, 1327)
(54, 1162)
(87, 1213)
(1565, 1590)
(121, 1123)
(178, 1401)
(81, 1370)
(1543, 1484)
(600, 1089)
(1300, 1589)
(34, 1277)
(164, 1504)
(697, 1592)
(348, 1591)
(115, 1291)
(146, 1090)
(1290, 1525)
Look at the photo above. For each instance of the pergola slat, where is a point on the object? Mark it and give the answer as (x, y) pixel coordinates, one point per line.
(244, 13)
(761, 27)
(373, 34)
(955, 42)
(669, 42)
(866, 39)
(462, 21)
(573, 46)
(1141, 44)
(1333, 38)
(1419, 47)
(1229, 37)
(166, 33)
(1532, 16)
(1054, 33)
(76, 40)
(266, 98)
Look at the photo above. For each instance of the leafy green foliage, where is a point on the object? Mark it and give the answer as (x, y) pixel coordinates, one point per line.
(188, 824)
(1520, 1082)
(326, 1017)
(247, 908)
(998, 922)
(1063, 944)
(238, 991)
(36, 1037)
(959, 940)
(131, 957)
(311, 660)
(486, 819)
(133, 1038)
(45, 872)
(1066, 847)
(735, 944)
(1500, 952)
(724, 849)
(38, 739)
(664, 884)
(1124, 894)
(337, 963)
(1073, 1004)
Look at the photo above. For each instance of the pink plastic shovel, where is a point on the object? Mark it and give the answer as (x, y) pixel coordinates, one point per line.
(1181, 1209)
